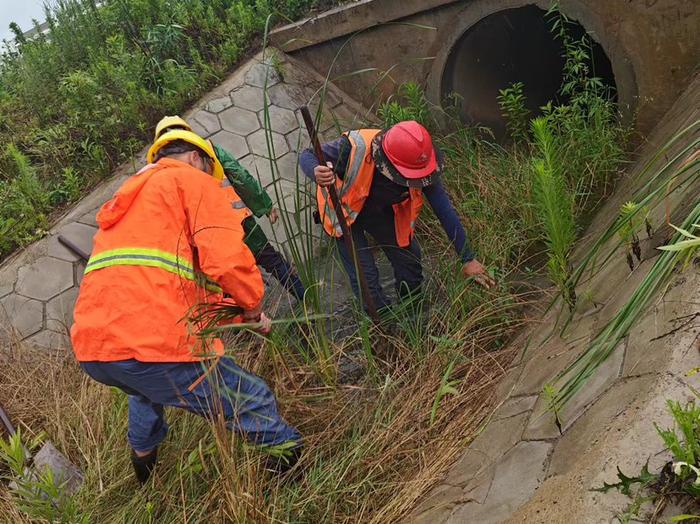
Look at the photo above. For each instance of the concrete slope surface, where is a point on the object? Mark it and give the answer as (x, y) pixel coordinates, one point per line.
(521, 468)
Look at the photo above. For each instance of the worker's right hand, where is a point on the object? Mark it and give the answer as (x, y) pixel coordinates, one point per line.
(324, 175)
(266, 322)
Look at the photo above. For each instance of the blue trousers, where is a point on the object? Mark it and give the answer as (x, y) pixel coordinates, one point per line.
(405, 261)
(274, 263)
(244, 399)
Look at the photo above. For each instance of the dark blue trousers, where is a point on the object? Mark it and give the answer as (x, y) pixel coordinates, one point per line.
(405, 261)
(244, 399)
(274, 263)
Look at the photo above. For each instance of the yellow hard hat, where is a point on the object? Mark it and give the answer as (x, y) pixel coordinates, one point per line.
(170, 121)
(192, 138)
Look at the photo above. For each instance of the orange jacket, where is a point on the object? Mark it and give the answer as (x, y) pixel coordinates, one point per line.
(165, 228)
(354, 189)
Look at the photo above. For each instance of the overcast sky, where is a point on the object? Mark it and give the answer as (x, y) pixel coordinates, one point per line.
(20, 11)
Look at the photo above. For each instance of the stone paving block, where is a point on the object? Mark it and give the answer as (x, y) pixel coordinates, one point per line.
(592, 426)
(249, 97)
(219, 104)
(262, 74)
(496, 439)
(598, 290)
(47, 339)
(199, 129)
(259, 168)
(442, 495)
(209, 121)
(433, 516)
(515, 406)
(89, 218)
(542, 425)
(544, 365)
(59, 311)
(6, 289)
(286, 96)
(239, 121)
(80, 234)
(25, 315)
(45, 278)
(259, 146)
(298, 140)
(234, 144)
(623, 290)
(517, 477)
(281, 120)
(645, 355)
(580, 329)
(288, 169)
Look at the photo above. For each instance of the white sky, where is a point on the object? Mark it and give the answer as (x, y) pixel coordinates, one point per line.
(20, 11)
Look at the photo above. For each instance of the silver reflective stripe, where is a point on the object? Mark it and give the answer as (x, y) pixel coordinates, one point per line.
(238, 204)
(225, 182)
(357, 160)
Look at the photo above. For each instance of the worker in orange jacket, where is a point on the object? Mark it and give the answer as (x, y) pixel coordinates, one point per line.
(170, 240)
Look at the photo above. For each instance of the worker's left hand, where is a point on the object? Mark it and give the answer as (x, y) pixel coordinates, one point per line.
(266, 326)
(274, 215)
(475, 269)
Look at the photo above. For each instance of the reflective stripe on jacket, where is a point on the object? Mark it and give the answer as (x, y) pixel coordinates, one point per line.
(354, 189)
(168, 240)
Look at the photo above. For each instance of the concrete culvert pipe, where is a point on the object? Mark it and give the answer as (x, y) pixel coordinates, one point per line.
(513, 45)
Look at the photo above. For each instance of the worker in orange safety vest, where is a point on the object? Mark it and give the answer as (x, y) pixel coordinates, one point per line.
(170, 240)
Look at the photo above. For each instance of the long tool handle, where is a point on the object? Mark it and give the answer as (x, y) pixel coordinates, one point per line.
(74, 248)
(344, 226)
(6, 421)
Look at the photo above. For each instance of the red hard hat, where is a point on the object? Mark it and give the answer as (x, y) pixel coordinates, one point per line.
(409, 148)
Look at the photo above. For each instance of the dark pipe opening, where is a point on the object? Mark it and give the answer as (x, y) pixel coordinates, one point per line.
(514, 45)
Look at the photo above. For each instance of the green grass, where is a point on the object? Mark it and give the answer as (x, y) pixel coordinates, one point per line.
(81, 99)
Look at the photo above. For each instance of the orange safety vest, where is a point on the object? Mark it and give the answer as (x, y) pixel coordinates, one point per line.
(354, 188)
(168, 240)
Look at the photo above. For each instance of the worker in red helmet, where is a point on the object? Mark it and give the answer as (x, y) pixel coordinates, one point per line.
(381, 178)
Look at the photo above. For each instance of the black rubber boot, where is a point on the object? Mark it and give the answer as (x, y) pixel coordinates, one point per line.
(281, 465)
(143, 466)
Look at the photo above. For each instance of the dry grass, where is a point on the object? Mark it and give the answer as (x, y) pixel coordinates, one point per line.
(371, 452)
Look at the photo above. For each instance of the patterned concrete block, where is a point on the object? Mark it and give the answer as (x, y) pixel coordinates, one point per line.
(286, 96)
(281, 120)
(542, 423)
(89, 218)
(234, 144)
(298, 140)
(516, 478)
(219, 104)
(239, 121)
(592, 426)
(80, 234)
(45, 278)
(262, 74)
(6, 289)
(248, 97)
(498, 437)
(59, 311)
(24, 315)
(288, 169)
(47, 339)
(258, 143)
(209, 121)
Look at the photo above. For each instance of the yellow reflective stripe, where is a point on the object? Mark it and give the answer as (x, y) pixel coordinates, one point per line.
(137, 251)
(138, 257)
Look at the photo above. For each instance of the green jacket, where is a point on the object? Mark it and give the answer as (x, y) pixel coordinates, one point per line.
(253, 195)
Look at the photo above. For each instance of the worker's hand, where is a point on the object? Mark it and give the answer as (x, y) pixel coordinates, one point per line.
(324, 175)
(274, 215)
(475, 269)
(266, 322)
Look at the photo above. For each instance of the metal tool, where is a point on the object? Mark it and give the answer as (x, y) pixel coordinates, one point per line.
(366, 297)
